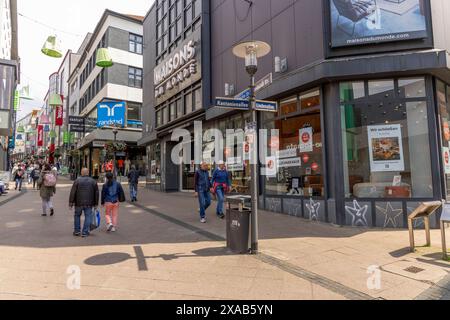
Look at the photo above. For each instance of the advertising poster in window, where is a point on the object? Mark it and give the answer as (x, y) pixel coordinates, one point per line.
(376, 21)
(271, 167)
(386, 148)
(306, 140)
(446, 155)
(153, 170)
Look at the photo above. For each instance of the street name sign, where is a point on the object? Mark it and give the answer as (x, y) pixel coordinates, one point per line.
(229, 103)
(266, 106)
(261, 84)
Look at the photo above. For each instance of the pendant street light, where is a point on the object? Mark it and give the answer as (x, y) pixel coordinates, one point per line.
(52, 48)
(55, 100)
(103, 59)
(251, 51)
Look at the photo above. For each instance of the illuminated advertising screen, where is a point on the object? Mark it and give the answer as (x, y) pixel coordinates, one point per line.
(359, 22)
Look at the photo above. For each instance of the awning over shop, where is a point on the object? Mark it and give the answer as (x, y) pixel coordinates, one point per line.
(127, 136)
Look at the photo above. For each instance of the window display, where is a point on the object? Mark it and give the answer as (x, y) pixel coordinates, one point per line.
(443, 100)
(299, 167)
(385, 138)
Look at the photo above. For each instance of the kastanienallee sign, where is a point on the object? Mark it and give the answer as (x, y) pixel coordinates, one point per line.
(175, 70)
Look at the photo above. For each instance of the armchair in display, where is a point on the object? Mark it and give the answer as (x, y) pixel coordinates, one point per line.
(354, 10)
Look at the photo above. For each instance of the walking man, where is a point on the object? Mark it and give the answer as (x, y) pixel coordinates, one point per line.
(202, 190)
(221, 185)
(18, 177)
(47, 187)
(84, 196)
(133, 180)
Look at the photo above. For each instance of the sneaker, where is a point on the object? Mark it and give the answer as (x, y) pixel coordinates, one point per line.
(113, 229)
(77, 234)
(52, 212)
(110, 227)
(203, 220)
(221, 216)
(85, 235)
(44, 215)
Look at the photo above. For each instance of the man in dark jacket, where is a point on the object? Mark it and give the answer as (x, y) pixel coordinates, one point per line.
(84, 196)
(203, 190)
(133, 181)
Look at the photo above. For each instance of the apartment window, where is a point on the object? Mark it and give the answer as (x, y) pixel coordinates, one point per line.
(188, 103)
(197, 99)
(136, 43)
(180, 109)
(173, 111)
(135, 77)
(158, 119)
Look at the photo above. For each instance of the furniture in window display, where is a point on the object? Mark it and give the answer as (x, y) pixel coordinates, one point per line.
(396, 1)
(354, 11)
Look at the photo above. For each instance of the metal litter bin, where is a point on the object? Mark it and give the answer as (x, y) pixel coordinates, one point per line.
(238, 223)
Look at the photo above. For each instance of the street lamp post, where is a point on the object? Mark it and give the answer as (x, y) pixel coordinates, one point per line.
(251, 51)
(115, 132)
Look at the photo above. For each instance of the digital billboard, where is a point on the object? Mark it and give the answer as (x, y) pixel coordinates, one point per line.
(359, 22)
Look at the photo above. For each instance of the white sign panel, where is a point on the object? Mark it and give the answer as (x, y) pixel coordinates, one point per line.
(289, 163)
(271, 167)
(446, 155)
(287, 153)
(306, 140)
(386, 148)
(235, 167)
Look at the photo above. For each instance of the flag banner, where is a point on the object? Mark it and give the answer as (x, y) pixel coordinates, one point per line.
(59, 116)
(40, 135)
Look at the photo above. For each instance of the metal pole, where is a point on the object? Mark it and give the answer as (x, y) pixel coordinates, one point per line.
(114, 151)
(254, 172)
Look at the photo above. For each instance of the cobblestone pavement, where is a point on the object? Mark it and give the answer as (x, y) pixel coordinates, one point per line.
(161, 251)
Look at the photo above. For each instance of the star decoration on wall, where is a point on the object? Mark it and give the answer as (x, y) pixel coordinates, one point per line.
(391, 215)
(313, 208)
(358, 214)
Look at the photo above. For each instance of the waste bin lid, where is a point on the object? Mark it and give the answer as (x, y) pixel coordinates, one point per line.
(238, 199)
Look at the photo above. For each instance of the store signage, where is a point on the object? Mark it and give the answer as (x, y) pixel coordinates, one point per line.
(235, 104)
(261, 84)
(287, 153)
(386, 148)
(446, 155)
(59, 116)
(40, 135)
(266, 106)
(271, 167)
(111, 114)
(176, 69)
(76, 128)
(288, 163)
(306, 140)
(76, 120)
(377, 23)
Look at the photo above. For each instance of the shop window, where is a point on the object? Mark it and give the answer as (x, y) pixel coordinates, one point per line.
(288, 106)
(412, 88)
(443, 101)
(154, 163)
(352, 91)
(385, 147)
(298, 152)
(379, 89)
(310, 100)
(188, 103)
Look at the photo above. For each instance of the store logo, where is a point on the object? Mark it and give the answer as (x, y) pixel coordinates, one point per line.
(111, 114)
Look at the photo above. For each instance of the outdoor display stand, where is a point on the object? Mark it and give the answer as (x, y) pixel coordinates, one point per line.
(445, 219)
(238, 223)
(425, 210)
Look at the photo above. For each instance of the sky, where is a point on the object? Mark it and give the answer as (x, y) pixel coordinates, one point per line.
(70, 21)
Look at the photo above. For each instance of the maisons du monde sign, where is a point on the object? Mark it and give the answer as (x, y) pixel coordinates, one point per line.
(178, 71)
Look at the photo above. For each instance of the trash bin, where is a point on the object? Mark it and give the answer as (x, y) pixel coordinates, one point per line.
(238, 223)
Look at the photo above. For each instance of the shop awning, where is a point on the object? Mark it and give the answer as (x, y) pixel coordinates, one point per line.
(128, 136)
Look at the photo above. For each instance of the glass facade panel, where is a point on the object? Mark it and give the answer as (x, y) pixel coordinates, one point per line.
(385, 147)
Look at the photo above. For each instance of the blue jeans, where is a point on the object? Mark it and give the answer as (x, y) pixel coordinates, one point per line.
(19, 183)
(133, 191)
(87, 220)
(220, 193)
(204, 199)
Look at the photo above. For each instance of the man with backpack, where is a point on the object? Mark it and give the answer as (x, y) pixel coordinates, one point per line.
(133, 180)
(84, 196)
(47, 186)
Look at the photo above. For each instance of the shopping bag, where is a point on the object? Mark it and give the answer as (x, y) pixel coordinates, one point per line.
(96, 221)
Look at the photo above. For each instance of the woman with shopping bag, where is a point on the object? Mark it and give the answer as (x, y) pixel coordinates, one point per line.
(112, 196)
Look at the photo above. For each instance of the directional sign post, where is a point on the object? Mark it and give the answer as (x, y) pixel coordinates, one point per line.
(235, 104)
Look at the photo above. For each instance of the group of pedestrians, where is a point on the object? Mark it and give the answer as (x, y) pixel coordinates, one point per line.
(85, 197)
(219, 185)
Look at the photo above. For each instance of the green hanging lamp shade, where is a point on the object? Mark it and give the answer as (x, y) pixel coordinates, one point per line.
(20, 129)
(55, 100)
(51, 48)
(104, 59)
(52, 134)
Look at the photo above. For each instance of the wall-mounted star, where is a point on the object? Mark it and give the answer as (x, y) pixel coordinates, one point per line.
(358, 214)
(391, 215)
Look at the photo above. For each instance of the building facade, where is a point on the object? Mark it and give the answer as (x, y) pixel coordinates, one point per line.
(177, 85)
(90, 85)
(362, 124)
(9, 77)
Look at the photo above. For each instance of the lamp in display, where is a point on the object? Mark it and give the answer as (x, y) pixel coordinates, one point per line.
(44, 119)
(52, 48)
(55, 100)
(104, 59)
(20, 129)
(52, 134)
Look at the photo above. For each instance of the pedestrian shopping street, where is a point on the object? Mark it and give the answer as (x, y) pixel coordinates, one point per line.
(161, 251)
